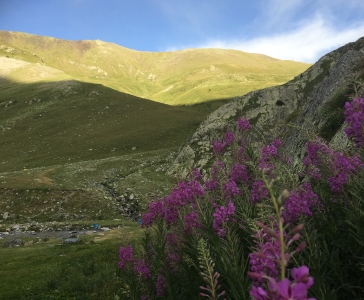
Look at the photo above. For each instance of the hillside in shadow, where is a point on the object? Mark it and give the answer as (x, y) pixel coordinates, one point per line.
(52, 123)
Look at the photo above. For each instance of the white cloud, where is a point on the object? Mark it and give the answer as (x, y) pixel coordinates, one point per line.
(278, 12)
(306, 43)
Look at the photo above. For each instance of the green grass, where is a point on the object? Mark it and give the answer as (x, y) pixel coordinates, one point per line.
(77, 121)
(49, 270)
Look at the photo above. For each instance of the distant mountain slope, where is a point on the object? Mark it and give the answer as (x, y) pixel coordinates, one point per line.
(181, 77)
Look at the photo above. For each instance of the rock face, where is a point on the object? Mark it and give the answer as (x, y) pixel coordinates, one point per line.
(310, 102)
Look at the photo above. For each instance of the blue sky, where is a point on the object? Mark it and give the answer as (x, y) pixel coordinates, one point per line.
(301, 30)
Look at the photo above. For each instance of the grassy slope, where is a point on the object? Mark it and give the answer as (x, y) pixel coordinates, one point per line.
(181, 77)
(77, 121)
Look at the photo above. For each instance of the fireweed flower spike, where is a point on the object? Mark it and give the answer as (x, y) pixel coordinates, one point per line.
(221, 216)
(259, 191)
(141, 268)
(229, 138)
(217, 147)
(354, 113)
(272, 259)
(243, 124)
(125, 255)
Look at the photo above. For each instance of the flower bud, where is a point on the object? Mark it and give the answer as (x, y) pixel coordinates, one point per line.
(287, 256)
(254, 275)
(259, 254)
(296, 237)
(285, 195)
(299, 227)
(261, 225)
(301, 247)
(271, 232)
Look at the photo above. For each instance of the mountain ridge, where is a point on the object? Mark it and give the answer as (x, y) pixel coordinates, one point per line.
(190, 75)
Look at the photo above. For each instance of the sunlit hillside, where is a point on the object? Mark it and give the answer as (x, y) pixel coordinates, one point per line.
(178, 78)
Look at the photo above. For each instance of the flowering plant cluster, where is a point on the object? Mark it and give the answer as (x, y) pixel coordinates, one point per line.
(354, 113)
(233, 233)
(341, 167)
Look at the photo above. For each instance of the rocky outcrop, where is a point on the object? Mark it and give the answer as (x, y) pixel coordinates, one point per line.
(311, 102)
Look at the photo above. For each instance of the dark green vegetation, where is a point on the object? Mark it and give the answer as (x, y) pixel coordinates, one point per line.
(333, 110)
(49, 270)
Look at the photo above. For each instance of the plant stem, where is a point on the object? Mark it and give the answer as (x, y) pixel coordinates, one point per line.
(280, 224)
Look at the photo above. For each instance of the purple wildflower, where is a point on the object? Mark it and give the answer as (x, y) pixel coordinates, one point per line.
(217, 169)
(196, 175)
(258, 293)
(185, 193)
(287, 290)
(259, 191)
(217, 147)
(142, 269)
(277, 143)
(125, 255)
(354, 113)
(268, 152)
(263, 262)
(342, 167)
(221, 216)
(229, 138)
(212, 184)
(239, 173)
(191, 220)
(161, 286)
(312, 161)
(300, 202)
(243, 124)
(156, 210)
(300, 275)
(231, 189)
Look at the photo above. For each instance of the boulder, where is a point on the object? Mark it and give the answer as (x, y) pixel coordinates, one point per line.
(14, 243)
(5, 215)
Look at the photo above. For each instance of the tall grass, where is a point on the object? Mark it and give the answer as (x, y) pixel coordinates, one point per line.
(258, 226)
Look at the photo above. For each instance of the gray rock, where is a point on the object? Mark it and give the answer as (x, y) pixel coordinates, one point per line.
(5, 215)
(14, 243)
(299, 102)
(71, 241)
(16, 227)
